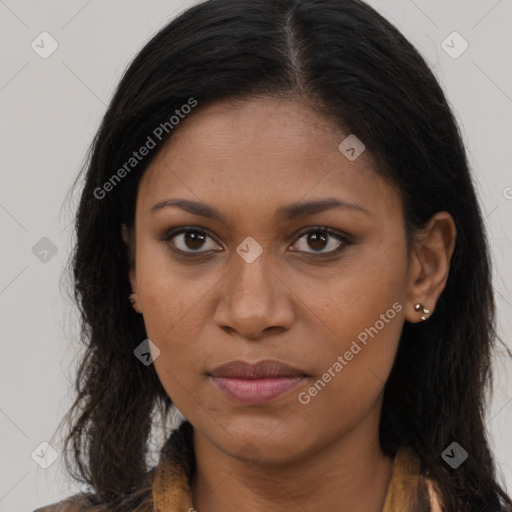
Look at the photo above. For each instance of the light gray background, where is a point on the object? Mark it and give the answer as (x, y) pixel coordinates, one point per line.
(50, 110)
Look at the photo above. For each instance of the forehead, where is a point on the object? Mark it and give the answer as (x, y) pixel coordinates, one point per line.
(259, 152)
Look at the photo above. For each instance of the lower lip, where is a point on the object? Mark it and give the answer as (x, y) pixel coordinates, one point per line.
(257, 391)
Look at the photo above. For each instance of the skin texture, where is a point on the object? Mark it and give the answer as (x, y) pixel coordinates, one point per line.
(247, 159)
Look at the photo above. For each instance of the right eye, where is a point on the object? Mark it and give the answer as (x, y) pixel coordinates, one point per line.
(190, 240)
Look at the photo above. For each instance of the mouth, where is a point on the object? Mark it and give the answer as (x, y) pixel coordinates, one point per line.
(257, 383)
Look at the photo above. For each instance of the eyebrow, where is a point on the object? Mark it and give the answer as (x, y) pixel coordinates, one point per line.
(285, 213)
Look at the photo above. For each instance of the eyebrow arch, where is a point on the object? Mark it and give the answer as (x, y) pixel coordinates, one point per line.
(286, 213)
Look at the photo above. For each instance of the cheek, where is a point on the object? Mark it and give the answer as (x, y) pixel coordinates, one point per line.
(173, 295)
(175, 303)
(354, 364)
(178, 331)
(360, 315)
(360, 347)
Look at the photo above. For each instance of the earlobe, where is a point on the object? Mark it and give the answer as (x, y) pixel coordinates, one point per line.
(422, 309)
(133, 301)
(418, 312)
(125, 234)
(133, 279)
(127, 239)
(133, 298)
(432, 255)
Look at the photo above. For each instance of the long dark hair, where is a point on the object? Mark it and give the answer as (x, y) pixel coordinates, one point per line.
(357, 69)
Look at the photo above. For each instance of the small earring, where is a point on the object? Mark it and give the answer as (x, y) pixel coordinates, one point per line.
(423, 309)
(132, 302)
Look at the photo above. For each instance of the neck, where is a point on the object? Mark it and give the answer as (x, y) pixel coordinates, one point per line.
(350, 474)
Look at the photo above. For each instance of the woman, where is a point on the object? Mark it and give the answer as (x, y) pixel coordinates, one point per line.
(279, 235)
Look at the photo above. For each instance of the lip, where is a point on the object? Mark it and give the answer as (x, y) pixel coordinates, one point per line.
(266, 368)
(257, 383)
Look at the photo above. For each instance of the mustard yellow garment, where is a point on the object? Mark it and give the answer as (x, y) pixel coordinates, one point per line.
(168, 489)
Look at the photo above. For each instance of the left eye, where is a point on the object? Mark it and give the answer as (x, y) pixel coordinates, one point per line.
(318, 239)
(194, 240)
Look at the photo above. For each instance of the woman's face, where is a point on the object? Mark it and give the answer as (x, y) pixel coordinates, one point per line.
(264, 284)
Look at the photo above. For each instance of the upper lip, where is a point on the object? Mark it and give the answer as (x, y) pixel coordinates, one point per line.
(266, 368)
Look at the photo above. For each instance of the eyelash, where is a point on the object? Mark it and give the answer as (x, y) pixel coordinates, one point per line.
(345, 242)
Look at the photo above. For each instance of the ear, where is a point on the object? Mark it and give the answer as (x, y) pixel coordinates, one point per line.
(128, 239)
(429, 269)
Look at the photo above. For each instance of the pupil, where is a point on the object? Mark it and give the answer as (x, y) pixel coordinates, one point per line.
(194, 240)
(317, 240)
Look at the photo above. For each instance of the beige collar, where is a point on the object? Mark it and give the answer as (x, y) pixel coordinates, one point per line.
(408, 490)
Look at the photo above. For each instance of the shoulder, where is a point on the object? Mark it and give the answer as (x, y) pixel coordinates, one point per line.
(137, 501)
(75, 503)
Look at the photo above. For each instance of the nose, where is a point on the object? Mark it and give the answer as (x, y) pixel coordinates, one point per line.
(254, 300)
